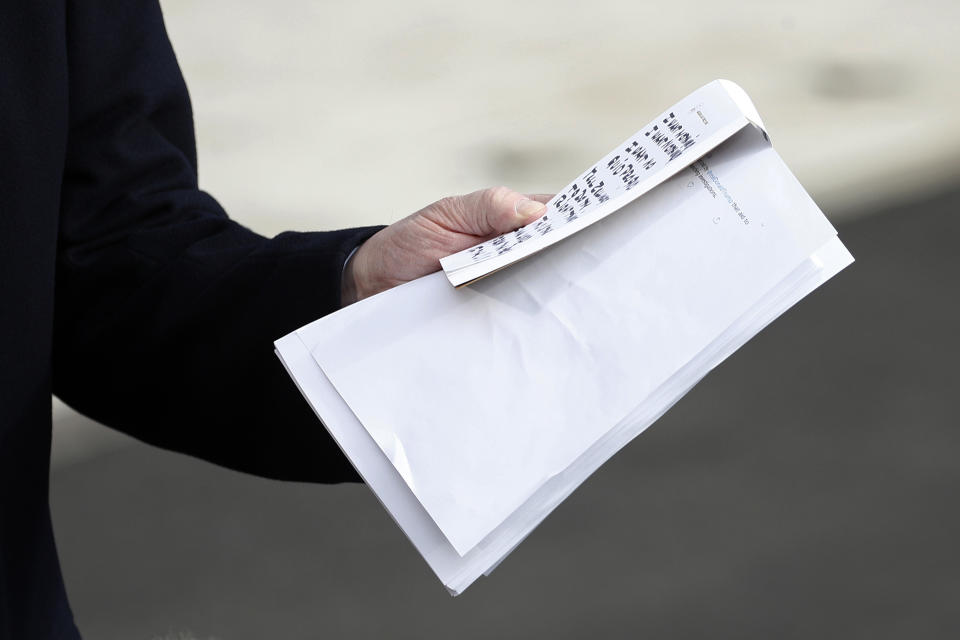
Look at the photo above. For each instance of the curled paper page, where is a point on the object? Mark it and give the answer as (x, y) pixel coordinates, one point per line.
(680, 135)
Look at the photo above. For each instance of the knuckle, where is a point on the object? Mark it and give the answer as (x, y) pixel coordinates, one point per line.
(452, 212)
(499, 196)
(449, 204)
(450, 207)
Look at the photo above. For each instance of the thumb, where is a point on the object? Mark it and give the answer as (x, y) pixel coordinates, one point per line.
(500, 209)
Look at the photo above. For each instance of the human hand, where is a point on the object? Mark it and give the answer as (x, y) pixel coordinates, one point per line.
(412, 247)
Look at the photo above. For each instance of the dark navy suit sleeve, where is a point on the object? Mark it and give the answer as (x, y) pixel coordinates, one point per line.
(166, 310)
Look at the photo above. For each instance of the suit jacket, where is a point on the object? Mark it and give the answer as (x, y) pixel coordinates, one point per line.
(124, 289)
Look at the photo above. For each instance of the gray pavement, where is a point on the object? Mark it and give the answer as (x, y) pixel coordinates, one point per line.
(805, 489)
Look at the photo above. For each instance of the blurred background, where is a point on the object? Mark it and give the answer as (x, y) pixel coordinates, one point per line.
(808, 488)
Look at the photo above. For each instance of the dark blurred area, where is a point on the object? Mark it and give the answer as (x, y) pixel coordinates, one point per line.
(807, 488)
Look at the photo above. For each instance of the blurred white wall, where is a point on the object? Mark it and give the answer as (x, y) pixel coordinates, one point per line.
(324, 114)
(318, 115)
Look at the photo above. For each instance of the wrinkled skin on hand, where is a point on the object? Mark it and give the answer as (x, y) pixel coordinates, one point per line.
(412, 247)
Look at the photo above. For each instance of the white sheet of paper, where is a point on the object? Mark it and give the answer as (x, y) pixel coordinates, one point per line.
(482, 395)
(457, 572)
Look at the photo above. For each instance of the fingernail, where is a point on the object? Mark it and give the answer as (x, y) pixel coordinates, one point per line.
(526, 208)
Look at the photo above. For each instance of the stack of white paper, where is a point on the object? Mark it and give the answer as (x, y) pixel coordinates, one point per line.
(473, 412)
